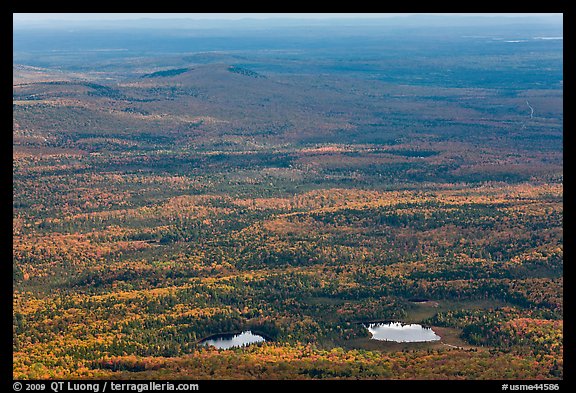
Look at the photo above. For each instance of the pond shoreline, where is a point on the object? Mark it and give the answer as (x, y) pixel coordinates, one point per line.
(402, 333)
(383, 321)
(235, 333)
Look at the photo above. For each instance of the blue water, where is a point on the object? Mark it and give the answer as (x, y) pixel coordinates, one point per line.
(396, 331)
(226, 341)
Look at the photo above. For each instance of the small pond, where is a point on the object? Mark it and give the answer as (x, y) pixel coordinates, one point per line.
(225, 341)
(398, 332)
(418, 300)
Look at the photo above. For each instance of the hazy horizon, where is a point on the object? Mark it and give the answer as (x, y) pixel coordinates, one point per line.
(48, 17)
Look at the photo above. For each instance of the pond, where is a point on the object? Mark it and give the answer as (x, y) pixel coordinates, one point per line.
(398, 332)
(225, 341)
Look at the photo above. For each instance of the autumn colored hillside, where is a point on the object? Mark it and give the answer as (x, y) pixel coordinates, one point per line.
(164, 197)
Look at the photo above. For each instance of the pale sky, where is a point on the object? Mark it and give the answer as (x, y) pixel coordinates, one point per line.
(231, 16)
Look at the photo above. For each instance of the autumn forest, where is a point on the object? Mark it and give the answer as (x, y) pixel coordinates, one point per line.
(174, 183)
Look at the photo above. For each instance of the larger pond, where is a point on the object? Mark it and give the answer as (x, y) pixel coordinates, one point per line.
(225, 341)
(398, 332)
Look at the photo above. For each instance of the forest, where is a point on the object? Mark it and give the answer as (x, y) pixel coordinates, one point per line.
(296, 185)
